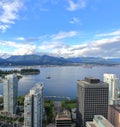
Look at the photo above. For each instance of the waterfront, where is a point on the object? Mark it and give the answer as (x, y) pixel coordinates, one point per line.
(62, 81)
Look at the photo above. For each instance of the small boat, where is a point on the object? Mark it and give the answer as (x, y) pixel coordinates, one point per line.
(48, 77)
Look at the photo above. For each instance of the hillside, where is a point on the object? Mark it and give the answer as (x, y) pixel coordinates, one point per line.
(36, 60)
(50, 60)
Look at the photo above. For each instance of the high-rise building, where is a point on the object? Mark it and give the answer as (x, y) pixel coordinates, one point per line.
(92, 99)
(33, 107)
(99, 121)
(10, 89)
(112, 80)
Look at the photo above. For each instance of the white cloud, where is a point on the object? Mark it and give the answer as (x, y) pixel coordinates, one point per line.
(3, 27)
(52, 45)
(75, 20)
(62, 35)
(115, 33)
(105, 47)
(9, 11)
(107, 41)
(25, 49)
(99, 48)
(76, 5)
(19, 48)
(20, 38)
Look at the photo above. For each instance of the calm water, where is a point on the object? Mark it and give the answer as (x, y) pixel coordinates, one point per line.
(63, 79)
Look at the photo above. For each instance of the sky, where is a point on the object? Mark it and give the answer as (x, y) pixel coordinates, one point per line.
(62, 28)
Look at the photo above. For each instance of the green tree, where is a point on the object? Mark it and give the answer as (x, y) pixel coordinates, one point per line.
(49, 109)
(21, 119)
(21, 100)
(1, 100)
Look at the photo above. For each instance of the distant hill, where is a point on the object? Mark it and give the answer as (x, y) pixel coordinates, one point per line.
(86, 59)
(36, 60)
(2, 61)
(94, 60)
(116, 60)
(50, 60)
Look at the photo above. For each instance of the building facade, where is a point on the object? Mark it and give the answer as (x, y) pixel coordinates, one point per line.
(92, 99)
(114, 115)
(33, 107)
(99, 121)
(112, 80)
(10, 94)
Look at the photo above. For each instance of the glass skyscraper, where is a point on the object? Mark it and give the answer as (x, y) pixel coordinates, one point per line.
(33, 107)
(10, 94)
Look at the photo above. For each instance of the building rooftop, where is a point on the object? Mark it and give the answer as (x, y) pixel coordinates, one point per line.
(91, 124)
(65, 115)
(116, 107)
(99, 121)
(35, 90)
(10, 76)
(91, 82)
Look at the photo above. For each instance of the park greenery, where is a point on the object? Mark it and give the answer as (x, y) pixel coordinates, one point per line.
(22, 72)
(8, 119)
(68, 104)
(21, 100)
(49, 111)
(1, 100)
(29, 71)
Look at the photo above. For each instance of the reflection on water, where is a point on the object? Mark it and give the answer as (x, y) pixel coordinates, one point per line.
(63, 79)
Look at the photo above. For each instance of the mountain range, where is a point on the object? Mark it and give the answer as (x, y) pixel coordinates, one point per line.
(51, 60)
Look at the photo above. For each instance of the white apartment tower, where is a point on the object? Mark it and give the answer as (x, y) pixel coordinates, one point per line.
(112, 80)
(33, 107)
(10, 94)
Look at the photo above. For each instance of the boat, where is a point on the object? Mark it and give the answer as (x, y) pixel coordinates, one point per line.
(48, 77)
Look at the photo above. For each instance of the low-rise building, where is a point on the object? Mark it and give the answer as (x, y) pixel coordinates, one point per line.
(99, 121)
(63, 119)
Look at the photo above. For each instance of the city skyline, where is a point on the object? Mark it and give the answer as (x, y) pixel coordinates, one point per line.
(67, 28)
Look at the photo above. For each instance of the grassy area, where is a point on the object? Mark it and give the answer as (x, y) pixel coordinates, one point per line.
(69, 104)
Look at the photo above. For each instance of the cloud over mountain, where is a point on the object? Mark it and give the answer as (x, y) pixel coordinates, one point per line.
(55, 44)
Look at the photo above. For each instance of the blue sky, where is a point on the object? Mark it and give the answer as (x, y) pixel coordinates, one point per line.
(65, 28)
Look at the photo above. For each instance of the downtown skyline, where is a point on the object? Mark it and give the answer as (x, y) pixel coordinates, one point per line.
(65, 28)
